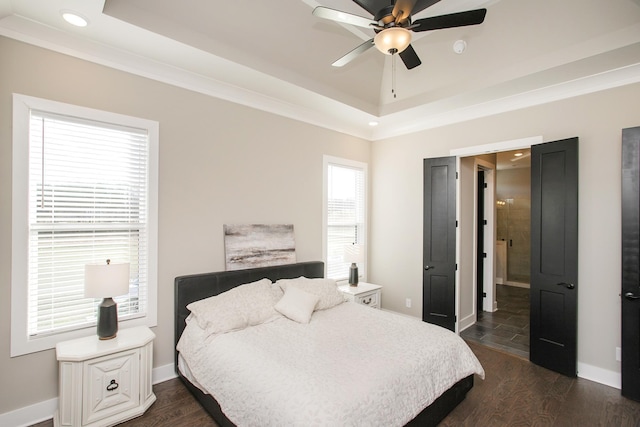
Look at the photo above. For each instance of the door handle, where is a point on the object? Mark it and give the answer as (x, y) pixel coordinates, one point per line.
(631, 296)
(428, 267)
(566, 285)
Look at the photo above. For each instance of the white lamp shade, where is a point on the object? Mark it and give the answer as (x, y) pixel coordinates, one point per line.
(353, 253)
(106, 280)
(392, 40)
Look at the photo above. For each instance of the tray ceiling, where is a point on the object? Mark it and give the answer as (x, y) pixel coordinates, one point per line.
(277, 56)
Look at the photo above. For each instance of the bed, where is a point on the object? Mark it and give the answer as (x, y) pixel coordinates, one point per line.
(321, 378)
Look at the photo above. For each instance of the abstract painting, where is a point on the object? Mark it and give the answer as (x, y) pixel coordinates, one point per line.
(258, 245)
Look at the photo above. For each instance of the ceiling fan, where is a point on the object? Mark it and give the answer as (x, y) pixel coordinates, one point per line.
(392, 24)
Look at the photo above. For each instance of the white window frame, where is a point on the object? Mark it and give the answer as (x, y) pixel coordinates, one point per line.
(21, 343)
(337, 161)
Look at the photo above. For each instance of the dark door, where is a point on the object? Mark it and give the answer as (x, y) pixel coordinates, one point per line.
(554, 255)
(480, 254)
(630, 263)
(439, 253)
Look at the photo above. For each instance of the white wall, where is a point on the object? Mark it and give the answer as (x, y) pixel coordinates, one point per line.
(597, 119)
(219, 163)
(466, 234)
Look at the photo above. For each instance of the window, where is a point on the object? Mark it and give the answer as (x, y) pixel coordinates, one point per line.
(84, 191)
(345, 189)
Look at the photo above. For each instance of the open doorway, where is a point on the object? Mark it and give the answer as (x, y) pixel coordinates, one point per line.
(502, 312)
(507, 328)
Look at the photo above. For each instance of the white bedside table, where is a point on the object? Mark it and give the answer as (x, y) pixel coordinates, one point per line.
(364, 293)
(105, 382)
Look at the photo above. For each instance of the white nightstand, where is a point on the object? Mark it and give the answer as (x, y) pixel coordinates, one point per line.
(364, 293)
(103, 383)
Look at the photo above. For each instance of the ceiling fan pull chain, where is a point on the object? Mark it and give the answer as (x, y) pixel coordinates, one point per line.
(393, 75)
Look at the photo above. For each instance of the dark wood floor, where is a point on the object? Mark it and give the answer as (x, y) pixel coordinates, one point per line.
(514, 393)
(508, 328)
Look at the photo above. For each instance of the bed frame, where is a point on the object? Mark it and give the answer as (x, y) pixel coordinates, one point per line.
(198, 286)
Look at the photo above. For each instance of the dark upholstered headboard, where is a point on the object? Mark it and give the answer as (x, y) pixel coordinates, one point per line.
(199, 286)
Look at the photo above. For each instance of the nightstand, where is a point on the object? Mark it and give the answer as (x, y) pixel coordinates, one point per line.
(105, 382)
(364, 293)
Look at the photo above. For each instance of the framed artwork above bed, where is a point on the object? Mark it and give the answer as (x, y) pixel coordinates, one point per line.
(258, 245)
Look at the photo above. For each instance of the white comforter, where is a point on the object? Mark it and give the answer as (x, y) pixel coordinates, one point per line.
(350, 366)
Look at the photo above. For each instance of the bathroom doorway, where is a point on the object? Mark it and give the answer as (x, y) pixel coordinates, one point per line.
(507, 327)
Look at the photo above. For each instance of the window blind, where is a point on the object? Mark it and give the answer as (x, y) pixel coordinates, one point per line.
(88, 202)
(345, 215)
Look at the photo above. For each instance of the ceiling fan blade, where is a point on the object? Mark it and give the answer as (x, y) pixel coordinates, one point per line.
(373, 6)
(343, 17)
(422, 5)
(353, 54)
(460, 19)
(410, 58)
(402, 10)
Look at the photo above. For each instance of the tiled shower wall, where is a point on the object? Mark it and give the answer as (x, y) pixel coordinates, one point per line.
(513, 193)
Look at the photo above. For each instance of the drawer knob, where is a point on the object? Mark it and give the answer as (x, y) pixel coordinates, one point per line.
(367, 301)
(112, 385)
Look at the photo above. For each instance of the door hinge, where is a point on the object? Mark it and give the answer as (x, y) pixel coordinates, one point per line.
(456, 175)
(456, 223)
(456, 267)
(485, 185)
(485, 222)
(484, 254)
(484, 295)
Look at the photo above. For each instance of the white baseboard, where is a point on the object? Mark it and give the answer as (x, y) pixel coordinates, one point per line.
(518, 284)
(43, 411)
(466, 322)
(599, 375)
(163, 373)
(30, 415)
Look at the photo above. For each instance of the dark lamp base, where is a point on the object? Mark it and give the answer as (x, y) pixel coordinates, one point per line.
(107, 319)
(353, 275)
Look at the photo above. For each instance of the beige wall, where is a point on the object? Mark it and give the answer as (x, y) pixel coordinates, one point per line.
(597, 119)
(219, 163)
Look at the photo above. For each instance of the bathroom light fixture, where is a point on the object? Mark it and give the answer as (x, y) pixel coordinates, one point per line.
(74, 18)
(373, 123)
(392, 40)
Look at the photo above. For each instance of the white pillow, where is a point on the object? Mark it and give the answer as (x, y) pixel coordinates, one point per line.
(325, 289)
(297, 304)
(245, 305)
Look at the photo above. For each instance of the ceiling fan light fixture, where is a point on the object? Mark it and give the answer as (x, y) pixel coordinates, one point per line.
(392, 40)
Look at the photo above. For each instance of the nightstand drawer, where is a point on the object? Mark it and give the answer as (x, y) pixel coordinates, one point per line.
(370, 299)
(112, 385)
(365, 293)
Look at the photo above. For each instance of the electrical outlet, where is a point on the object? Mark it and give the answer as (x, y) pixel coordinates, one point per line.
(618, 354)
(408, 303)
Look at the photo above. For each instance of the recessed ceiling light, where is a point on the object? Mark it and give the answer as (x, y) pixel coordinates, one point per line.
(518, 154)
(74, 18)
(373, 123)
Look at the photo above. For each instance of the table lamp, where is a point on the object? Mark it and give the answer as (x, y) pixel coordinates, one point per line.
(353, 254)
(106, 281)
